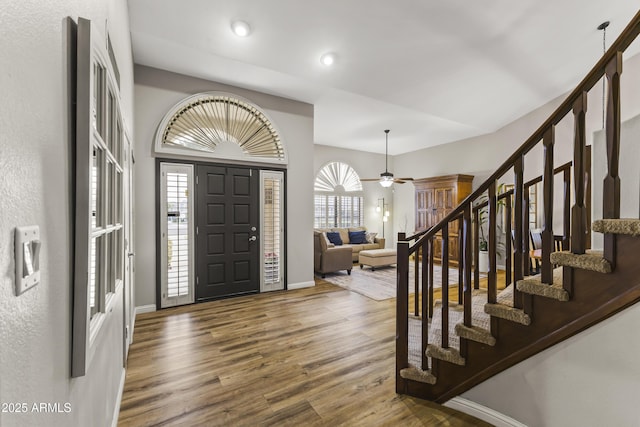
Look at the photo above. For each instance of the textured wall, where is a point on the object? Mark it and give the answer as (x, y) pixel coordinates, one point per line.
(35, 188)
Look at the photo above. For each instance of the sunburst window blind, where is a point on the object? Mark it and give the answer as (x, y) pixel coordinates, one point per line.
(272, 233)
(206, 122)
(178, 218)
(337, 200)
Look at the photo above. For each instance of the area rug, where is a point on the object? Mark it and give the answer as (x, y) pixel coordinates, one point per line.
(380, 284)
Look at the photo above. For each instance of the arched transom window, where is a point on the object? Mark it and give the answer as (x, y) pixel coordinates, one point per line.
(219, 125)
(338, 197)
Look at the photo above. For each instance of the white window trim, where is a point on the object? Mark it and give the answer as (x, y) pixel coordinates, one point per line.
(167, 301)
(279, 177)
(87, 328)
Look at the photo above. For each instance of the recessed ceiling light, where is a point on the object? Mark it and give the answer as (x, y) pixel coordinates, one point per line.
(240, 28)
(328, 59)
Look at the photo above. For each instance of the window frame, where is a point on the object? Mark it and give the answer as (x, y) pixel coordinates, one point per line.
(98, 270)
(337, 184)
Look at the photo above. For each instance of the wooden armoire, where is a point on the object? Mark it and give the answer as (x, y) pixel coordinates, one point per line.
(436, 197)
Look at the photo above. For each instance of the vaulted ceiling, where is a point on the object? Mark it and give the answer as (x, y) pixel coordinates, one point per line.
(432, 71)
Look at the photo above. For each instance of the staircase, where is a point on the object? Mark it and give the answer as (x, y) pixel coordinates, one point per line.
(446, 347)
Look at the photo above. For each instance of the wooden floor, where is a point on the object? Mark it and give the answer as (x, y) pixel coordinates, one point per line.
(315, 356)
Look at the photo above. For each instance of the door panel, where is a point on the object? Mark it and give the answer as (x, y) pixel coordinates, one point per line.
(228, 226)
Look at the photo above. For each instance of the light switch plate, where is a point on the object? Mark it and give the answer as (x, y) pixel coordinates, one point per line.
(27, 257)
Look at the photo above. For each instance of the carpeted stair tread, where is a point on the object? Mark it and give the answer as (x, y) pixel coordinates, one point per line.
(533, 285)
(505, 297)
(450, 355)
(416, 374)
(508, 313)
(629, 226)
(592, 261)
(475, 333)
(456, 315)
(503, 308)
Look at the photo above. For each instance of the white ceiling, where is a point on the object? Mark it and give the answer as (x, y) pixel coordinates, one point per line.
(431, 71)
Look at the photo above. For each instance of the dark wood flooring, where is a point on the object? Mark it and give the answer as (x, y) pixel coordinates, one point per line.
(315, 356)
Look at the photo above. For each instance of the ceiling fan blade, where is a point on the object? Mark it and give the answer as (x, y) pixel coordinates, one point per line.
(406, 179)
(398, 181)
(369, 179)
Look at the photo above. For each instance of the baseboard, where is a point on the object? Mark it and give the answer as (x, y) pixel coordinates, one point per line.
(116, 410)
(149, 308)
(301, 285)
(482, 412)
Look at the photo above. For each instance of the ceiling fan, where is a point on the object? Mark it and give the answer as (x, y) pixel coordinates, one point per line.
(386, 178)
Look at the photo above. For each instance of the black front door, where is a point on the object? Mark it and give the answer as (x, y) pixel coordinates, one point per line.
(227, 260)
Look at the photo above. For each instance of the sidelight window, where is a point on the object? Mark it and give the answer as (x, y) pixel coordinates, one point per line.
(177, 234)
(272, 220)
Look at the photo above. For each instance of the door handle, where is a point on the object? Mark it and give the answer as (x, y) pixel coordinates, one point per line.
(253, 238)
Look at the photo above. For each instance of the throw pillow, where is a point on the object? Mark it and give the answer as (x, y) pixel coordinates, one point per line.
(357, 237)
(371, 237)
(334, 237)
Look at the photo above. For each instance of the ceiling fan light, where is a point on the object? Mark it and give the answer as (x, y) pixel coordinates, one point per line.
(386, 181)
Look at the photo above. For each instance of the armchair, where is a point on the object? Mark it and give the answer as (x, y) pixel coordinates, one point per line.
(329, 259)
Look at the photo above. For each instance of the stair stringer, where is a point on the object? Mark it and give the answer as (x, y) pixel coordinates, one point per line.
(594, 298)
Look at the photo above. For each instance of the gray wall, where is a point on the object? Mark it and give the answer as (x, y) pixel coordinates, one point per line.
(156, 91)
(35, 189)
(366, 165)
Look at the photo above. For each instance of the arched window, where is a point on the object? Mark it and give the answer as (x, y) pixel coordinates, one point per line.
(221, 126)
(338, 197)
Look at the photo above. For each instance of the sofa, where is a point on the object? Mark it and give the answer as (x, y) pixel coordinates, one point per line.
(329, 257)
(321, 244)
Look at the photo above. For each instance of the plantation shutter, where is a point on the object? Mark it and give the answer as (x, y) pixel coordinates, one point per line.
(272, 230)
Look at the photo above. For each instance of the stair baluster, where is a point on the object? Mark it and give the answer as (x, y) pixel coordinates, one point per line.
(416, 280)
(547, 184)
(465, 264)
(611, 185)
(521, 254)
(492, 278)
(579, 210)
(566, 211)
(445, 285)
(427, 298)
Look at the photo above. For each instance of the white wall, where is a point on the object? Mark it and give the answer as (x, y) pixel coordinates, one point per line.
(156, 91)
(589, 380)
(366, 165)
(35, 189)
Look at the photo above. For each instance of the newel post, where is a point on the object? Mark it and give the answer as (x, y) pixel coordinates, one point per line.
(402, 311)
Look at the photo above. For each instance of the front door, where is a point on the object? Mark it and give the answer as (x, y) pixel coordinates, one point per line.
(227, 246)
